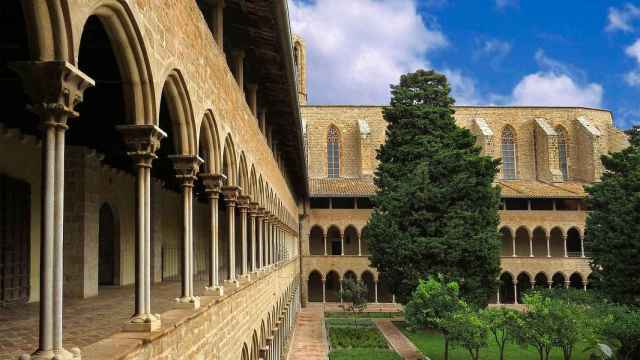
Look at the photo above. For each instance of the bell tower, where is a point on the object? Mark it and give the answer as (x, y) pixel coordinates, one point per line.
(300, 60)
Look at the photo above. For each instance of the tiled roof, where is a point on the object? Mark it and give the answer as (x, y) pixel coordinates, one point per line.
(540, 189)
(326, 187)
(341, 187)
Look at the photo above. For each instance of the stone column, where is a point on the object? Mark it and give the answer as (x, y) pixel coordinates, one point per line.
(243, 206)
(260, 238)
(515, 292)
(498, 296)
(566, 284)
(324, 237)
(253, 214)
(340, 290)
(324, 290)
(533, 285)
(548, 245)
(341, 244)
(550, 284)
(360, 245)
(213, 186)
(252, 99)
(231, 194)
(514, 245)
(55, 88)
(564, 242)
(375, 287)
(582, 246)
(238, 68)
(143, 141)
(530, 246)
(187, 167)
(267, 261)
(216, 20)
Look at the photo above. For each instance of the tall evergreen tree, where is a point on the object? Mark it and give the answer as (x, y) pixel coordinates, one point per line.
(436, 206)
(613, 224)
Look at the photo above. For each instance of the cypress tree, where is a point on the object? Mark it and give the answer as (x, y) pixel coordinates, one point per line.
(613, 225)
(436, 209)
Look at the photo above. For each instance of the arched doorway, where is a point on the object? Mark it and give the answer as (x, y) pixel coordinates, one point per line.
(539, 242)
(334, 242)
(315, 287)
(507, 295)
(542, 282)
(556, 242)
(351, 243)
(507, 241)
(332, 287)
(107, 247)
(576, 282)
(574, 243)
(557, 281)
(524, 285)
(522, 241)
(367, 279)
(316, 241)
(364, 245)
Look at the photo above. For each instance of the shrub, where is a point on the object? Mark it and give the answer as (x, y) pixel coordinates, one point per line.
(502, 323)
(467, 329)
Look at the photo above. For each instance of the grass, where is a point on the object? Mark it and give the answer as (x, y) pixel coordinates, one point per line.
(367, 315)
(364, 342)
(431, 343)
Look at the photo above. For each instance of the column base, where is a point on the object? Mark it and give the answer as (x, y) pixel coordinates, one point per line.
(232, 283)
(245, 277)
(188, 303)
(61, 354)
(214, 290)
(143, 323)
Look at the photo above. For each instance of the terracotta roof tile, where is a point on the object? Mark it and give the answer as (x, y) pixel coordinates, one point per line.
(341, 187)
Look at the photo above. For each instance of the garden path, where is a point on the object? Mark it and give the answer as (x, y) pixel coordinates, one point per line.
(309, 339)
(398, 341)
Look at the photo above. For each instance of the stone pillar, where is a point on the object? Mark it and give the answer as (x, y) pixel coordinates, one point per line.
(243, 206)
(533, 285)
(548, 245)
(142, 142)
(340, 290)
(564, 242)
(324, 290)
(231, 198)
(213, 186)
(514, 245)
(498, 296)
(581, 246)
(360, 245)
(341, 244)
(253, 214)
(55, 88)
(515, 292)
(260, 229)
(550, 284)
(267, 237)
(187, 167)
(566, 284)
(324, 239)
(238, 68)
(216, 21)
(530, 246)
(375, 287)
(252, 99)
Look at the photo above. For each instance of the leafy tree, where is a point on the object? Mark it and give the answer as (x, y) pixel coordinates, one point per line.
(536, 326)
(620, 330)
(436, 206)
(468, 329)
(432, 304)
(355, 293)
(503, 324)
(613, 224)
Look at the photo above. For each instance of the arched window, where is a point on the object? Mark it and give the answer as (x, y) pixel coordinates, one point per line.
(333, 153)
(562, 153)
(508, 154)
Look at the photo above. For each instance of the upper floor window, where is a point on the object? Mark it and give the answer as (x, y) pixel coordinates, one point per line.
(508, 154)
(562, 153)
(333, 152)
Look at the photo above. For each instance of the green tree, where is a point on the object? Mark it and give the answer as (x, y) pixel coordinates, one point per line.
(355, 293)
(466, 328)
(436, 206)
(619, 329)
(613, 224)
(432, 304)
(502, 323)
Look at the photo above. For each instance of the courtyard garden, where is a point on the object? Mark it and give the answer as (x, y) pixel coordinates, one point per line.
(357, 339)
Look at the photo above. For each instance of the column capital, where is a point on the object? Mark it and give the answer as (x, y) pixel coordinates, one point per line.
(260, 211)
(243, 202)
(142, 142)
(55, 87)
(212, 183)
(231, 194)
(186, 167)
(253, 208)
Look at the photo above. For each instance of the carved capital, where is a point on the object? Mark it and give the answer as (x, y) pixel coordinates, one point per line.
(212, 183)
(186, 167)
(253, 208)
(142, 142)
(231, 194)
(243, 202)
(55, 88)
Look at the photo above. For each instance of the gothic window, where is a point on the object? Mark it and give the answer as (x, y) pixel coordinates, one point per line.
(508, 154)
(562, 153)
(333, 153)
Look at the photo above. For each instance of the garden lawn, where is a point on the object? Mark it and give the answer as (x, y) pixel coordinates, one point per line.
(363, 341)
(364, 315)
(431, 344)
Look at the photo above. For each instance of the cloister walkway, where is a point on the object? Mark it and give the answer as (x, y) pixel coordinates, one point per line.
(309, 340)
(397, 340)
(86, 321)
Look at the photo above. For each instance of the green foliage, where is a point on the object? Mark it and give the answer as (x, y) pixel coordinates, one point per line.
(503, 324)
(364, 354)
(552, 321)
(436, 206)
(613, 225)
(466, 328)
(362, 342)
(619, 328)
(365, 315)
(432, 305)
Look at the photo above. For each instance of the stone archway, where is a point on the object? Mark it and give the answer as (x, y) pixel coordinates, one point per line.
(314, 291)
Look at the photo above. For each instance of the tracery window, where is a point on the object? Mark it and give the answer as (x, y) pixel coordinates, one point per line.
(508, 154)
(333, 152)
(562, 153)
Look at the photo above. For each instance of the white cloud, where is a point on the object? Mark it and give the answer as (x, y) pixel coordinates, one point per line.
(494, 49)
(463, 88)
(551, 89)
(632, 78)
(356, 48)
(634, 50)
(621, 19)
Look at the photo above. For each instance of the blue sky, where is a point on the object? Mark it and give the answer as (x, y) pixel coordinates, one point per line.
(501, 52)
